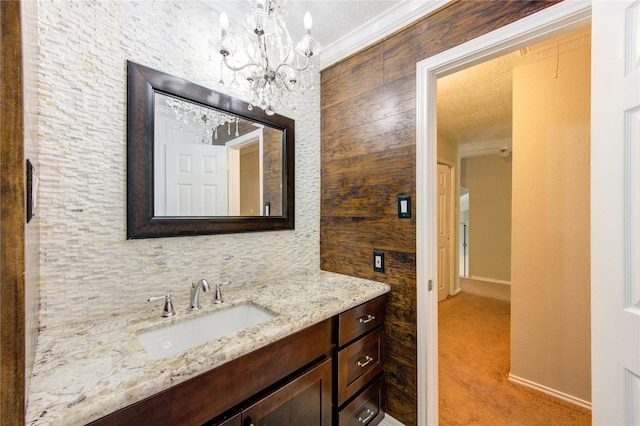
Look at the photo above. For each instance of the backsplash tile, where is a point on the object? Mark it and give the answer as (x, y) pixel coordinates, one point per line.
(88, 268)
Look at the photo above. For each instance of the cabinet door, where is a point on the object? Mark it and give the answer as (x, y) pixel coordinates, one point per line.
(304, 401)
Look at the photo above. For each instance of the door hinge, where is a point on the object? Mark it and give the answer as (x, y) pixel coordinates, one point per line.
(430, 287)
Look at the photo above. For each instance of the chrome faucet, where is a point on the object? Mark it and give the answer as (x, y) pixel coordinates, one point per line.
(194, 300)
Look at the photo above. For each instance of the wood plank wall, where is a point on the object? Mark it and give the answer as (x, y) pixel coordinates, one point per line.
(368, 159)
(12, 219)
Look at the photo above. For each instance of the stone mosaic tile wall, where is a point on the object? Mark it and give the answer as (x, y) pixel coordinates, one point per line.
(88, 268)
(32, 229)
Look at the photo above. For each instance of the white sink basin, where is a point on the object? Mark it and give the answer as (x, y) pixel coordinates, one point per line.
(184, 335)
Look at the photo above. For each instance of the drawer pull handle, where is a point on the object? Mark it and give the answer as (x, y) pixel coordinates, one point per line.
(367, 361)
(367, 413)
(366, 319)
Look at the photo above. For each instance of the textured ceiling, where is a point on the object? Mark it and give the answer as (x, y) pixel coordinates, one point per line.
(474, 105)
(339, 24)
(332, 19)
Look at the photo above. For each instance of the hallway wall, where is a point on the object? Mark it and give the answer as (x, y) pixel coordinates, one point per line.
(550, 274)
(488, 179)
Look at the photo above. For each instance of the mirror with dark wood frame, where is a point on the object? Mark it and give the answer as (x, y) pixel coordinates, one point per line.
(200, 162)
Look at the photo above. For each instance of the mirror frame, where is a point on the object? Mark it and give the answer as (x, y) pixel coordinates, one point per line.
(142, 83)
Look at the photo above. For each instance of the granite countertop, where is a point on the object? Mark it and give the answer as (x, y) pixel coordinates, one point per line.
(97, 368)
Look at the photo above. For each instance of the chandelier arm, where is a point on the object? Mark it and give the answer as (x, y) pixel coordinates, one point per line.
(237, 68)
(299, 69)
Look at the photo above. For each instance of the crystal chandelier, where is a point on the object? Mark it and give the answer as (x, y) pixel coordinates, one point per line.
(205, 120)
(266, 57)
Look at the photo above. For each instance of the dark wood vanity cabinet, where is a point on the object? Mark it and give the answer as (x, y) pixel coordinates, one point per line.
(303, 400)
(233, 420)
(329, 373)
(350, 384)
(358, 362)
(226, 388)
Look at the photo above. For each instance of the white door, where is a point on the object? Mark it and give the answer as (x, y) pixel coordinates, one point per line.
(444, 231)
(196, 180)
(615, 212)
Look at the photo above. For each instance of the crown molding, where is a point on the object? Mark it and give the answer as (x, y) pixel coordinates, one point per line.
(378, 28)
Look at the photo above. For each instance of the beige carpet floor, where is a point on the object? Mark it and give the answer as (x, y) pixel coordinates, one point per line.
(474, 368)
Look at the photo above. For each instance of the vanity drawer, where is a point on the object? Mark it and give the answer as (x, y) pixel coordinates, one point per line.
(359, 320)
(358, 364)
(366, 408)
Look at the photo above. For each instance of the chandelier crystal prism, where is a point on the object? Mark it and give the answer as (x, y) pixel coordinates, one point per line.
(205, 121)
(266, 57)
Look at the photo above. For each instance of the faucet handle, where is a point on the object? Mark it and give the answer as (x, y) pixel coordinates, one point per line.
(168, 310)
(218, 294)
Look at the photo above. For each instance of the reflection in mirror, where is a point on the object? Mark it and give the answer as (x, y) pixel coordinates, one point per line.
(200, 162)
(212, 163)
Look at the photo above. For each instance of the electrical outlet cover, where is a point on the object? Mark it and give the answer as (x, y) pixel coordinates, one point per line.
(378, 261)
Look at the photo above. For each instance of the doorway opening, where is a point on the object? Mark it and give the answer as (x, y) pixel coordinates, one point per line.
(557, 20)
(501, 89)
(246, 184)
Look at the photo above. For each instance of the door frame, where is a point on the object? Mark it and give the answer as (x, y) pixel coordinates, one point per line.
(554, 20)
(234, 168)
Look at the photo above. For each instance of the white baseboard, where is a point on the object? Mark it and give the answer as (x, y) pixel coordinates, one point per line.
(490, 280)
(549, 391)
(390, 421)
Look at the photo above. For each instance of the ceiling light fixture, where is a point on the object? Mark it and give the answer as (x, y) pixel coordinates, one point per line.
(274, 69)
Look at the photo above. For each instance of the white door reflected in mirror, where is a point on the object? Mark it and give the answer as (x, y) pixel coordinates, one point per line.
(210, 172)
